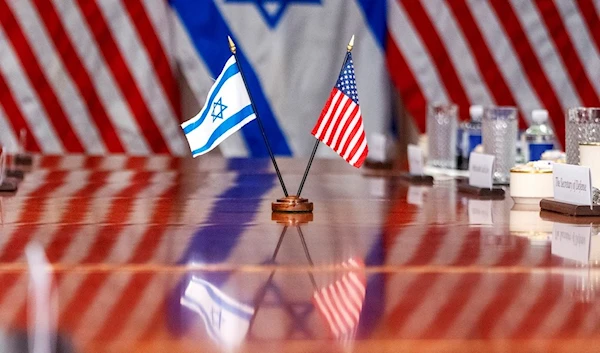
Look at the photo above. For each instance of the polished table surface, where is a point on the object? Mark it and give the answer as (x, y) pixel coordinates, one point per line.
(127, 237)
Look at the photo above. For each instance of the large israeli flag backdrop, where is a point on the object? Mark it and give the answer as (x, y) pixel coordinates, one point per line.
(290, 52)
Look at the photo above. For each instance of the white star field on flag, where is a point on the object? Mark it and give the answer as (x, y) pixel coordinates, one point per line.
(347, 82)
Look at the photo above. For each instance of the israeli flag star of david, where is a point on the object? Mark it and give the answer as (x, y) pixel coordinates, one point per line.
(227, 109)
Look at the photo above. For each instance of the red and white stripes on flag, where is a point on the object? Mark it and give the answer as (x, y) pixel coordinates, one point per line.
(89, 77)
(340, 125)
(340, 303)
(525, 53)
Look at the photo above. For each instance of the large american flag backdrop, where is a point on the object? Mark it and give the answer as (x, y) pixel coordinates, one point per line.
(102, 76)
(89, 76)
(525, 53)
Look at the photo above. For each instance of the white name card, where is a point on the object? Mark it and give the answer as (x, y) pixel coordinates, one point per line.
(415, 160)
(415, 195)
(481, 169)
(572, 184)
(378, 147)
(480, 212)
(571, 242)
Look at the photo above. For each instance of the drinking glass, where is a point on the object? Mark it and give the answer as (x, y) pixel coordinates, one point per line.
(442, 128)
(499, 135)
(583, 126)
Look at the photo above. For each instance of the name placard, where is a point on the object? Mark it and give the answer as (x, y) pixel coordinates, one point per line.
(481, 168)
(415, 160)
(571, 242)
(480, 212)
(378, 147)
(415, 195)
(572, 184)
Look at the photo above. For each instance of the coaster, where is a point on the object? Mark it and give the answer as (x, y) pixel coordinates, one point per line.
(570, 209)
(8, 187)
(417, 179)
(483, 192)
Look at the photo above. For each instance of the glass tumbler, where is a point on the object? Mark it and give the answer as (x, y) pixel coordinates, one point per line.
(499, 135)
(583, 126)
(442, 126)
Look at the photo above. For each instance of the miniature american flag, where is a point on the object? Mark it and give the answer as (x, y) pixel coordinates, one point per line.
(340, 303)
(340, 125)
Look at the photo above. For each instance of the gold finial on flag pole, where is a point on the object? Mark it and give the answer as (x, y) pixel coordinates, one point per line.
(232, 44)
(351, 44)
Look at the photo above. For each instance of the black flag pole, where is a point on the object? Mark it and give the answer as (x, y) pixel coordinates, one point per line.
(314, 151)
(260, 125)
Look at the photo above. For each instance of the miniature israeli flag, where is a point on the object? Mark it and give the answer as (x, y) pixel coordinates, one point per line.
(227, 109)
(227, 321)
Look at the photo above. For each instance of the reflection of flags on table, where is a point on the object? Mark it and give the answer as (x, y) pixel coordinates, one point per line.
(227, 109)
(341, 302)
(340, 125)
(227, 321)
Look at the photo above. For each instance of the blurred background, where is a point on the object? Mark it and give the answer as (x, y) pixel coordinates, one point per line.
(105, 76)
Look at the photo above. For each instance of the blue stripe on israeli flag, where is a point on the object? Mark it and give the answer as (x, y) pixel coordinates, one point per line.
(228, 127)
(227, 109)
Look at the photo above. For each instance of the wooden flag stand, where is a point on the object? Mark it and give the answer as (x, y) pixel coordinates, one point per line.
(295, 203)
(292, 204)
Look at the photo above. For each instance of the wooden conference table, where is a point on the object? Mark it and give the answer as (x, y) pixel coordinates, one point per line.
(127, 237)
